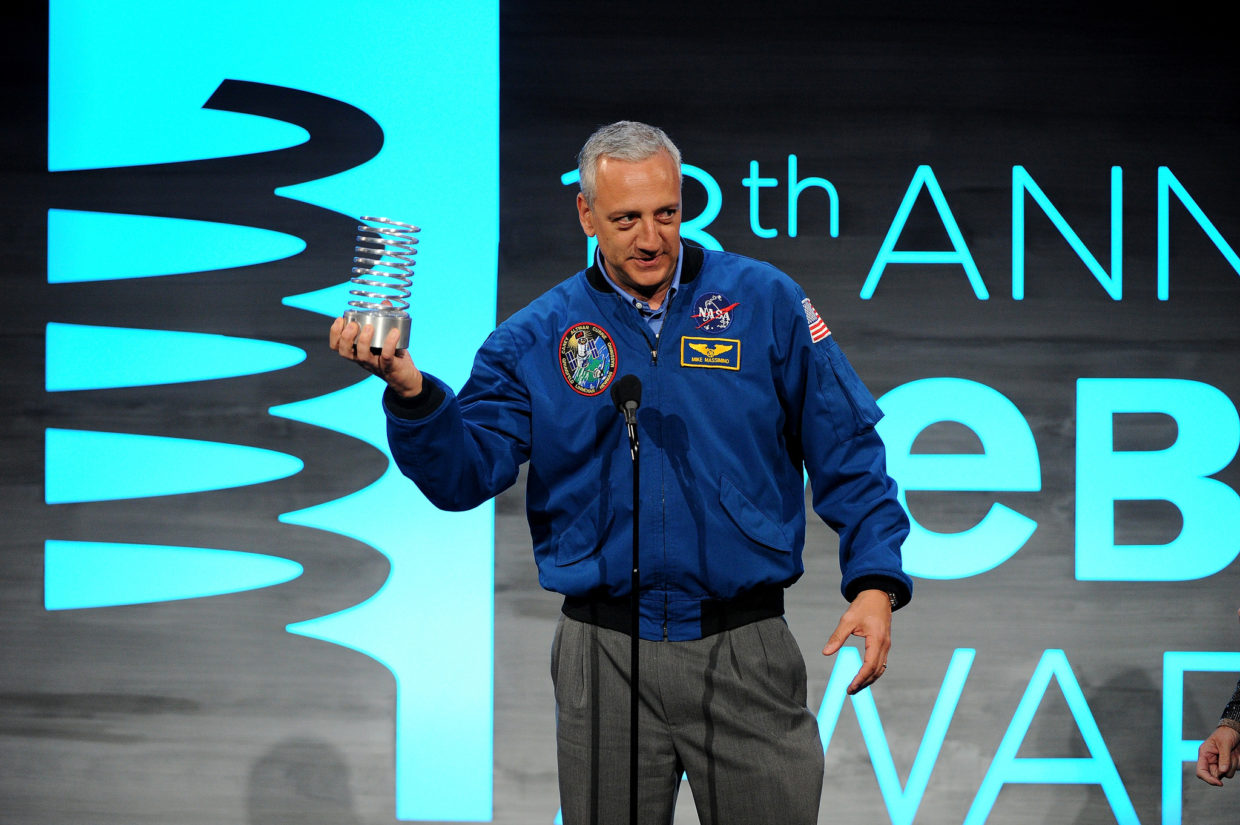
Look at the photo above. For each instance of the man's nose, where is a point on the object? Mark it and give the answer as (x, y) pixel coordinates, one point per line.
(648, 234)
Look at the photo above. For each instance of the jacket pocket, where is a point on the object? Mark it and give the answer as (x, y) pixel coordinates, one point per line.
(584, 536)
(859, 411)
(750, 519)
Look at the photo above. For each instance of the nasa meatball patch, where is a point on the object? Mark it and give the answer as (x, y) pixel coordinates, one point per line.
(587, 358)
(712, 312)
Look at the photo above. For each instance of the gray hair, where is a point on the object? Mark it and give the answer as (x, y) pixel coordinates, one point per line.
(623, 140)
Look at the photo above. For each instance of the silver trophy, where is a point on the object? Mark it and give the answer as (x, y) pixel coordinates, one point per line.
(383, 271)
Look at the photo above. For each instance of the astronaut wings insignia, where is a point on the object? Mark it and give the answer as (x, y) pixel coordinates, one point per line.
(711, 350)
(719, 353)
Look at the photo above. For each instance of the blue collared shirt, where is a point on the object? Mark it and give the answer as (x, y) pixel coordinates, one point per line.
(653, 317)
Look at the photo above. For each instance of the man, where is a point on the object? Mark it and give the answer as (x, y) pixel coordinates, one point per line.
(743, 389)
(1219, 755)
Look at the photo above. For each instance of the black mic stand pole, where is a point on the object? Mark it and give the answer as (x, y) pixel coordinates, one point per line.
(635, 617)
(626, 393)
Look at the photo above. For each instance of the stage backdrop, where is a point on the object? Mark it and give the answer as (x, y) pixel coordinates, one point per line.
(222, 604)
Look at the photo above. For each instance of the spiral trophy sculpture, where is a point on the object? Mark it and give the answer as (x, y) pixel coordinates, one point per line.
(382, 272)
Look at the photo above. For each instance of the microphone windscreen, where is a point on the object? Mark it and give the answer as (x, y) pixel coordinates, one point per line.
(627, 390)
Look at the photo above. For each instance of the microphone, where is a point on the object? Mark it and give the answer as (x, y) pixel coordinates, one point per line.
(626, 393)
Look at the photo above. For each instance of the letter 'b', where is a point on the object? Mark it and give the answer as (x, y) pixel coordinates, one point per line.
(1209, 434)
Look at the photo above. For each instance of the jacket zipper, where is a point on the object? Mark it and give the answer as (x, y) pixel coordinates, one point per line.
(667, 315)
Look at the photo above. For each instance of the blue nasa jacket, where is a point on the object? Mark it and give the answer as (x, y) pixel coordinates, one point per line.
(743, 389)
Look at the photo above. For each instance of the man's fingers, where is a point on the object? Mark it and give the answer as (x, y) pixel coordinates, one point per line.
(353, 341)
(846, 627)
(873, 660)
(836, 641)
(389, 347)
(1206, 774)
(364, 338)
(1203, 765)
(1216, 760)
(865, 678)
(350, 335)
(872, 667)
(344, 337)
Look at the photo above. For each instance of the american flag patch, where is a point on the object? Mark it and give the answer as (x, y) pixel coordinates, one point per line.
(817, 327)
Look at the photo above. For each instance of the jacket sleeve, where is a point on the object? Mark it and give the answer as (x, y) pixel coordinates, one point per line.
(467, 449)
(847, 464)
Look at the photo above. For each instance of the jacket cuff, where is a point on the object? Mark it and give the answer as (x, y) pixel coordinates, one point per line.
(887, 585)
(418, 407)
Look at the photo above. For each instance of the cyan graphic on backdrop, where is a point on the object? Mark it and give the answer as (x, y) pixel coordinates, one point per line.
(81, 357)
(85, 465)
(127, 86)
(99, 246)
(80, 574)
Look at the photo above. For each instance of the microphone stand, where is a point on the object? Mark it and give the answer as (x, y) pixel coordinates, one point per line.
(627, 393)
(630, 419)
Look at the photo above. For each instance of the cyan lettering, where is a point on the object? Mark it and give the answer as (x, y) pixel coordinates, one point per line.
(959, 254)
(902, 803)
(753, 183)
(1209, 435)
(695, 228)
(1009, 461)
(1168, 183)
(1113, 282)
(1096, 769)
(796, 187)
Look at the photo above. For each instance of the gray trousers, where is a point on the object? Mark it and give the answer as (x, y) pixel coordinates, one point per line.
(728, 710)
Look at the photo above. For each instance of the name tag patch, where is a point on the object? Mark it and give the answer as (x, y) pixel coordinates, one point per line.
(715, 353)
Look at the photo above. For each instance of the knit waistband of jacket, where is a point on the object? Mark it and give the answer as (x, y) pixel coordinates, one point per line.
(717, 615)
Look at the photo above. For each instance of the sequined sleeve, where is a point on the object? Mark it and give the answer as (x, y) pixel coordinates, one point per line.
(1231, 713)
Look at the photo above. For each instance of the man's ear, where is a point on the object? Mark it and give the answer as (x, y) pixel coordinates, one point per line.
(585, 215)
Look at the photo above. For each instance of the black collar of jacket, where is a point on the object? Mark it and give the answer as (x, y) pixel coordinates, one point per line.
(689, 268)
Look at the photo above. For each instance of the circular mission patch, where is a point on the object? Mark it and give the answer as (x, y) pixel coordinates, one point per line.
(712, 312)
(587, 358)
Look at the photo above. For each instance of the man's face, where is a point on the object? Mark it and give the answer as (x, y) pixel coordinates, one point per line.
(636, 218)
